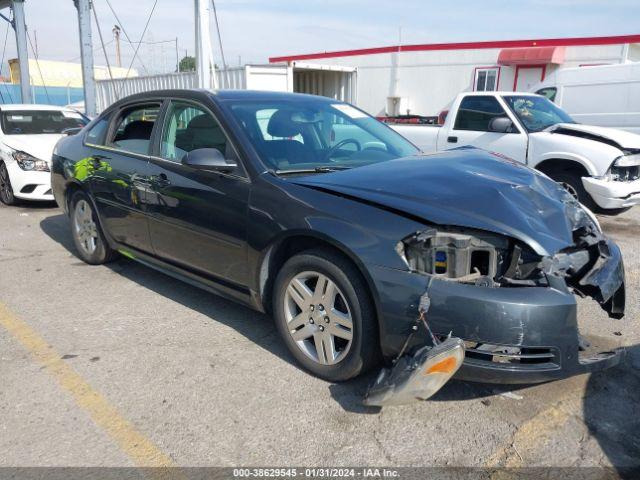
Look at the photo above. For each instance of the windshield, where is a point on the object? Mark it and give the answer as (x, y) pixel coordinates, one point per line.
(40, 122)
(536, 113)
(308, 134)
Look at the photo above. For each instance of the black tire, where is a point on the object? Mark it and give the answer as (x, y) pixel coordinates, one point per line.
(6, 190)
(102, 252)
(611, 212)
(363, 352)
(571, 180)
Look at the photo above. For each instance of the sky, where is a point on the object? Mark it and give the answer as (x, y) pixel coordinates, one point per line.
(254, 30)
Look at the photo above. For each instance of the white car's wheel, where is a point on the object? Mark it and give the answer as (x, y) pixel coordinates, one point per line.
(6, 190)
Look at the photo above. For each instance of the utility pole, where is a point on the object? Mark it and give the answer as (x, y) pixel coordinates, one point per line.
(177, 57)
(204, 56)
(86, 53)
(116, 34)
(17, 6)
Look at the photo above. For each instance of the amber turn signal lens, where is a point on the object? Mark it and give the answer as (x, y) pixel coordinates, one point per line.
(448, 365)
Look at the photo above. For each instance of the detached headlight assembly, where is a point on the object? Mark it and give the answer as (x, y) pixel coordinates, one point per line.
(29, 162)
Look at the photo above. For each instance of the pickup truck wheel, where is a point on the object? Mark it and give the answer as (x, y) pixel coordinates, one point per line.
(572, 183)
(325, 316)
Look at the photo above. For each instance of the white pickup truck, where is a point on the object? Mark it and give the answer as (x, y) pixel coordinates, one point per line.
(600, 166)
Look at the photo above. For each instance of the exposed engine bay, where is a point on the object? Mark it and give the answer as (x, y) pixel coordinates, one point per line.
(489, 260)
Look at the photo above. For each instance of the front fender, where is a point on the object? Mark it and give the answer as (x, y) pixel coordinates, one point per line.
(365, 234)
(595, 157)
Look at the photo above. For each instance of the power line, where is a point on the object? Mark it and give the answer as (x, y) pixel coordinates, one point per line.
(4, 49)
(126, 34)
(215, 16)
(39, 70)
(106, 57)
(95, 49)
(135, 54)
(152, 43)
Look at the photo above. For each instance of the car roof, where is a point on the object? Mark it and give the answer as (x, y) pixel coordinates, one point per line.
(502, 92)
(31, 106)
(221, 95)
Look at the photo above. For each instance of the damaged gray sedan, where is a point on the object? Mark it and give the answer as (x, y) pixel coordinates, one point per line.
(364, 251)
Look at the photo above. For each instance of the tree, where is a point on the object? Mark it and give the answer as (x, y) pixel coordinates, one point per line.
(187, 64)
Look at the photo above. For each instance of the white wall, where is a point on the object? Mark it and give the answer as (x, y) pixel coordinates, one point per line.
(430, 79)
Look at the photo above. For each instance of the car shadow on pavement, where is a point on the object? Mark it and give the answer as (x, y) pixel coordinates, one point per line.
(253, 325)
(25, 205)
(256, 327)
(611, 409)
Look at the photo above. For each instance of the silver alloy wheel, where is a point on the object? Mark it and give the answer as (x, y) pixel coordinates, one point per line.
(5, 184)
(569, 188)
(318, 317)
(86, 229)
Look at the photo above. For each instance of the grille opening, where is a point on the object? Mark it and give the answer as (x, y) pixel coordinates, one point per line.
(480, 260)
(28, 188)
(504, 354)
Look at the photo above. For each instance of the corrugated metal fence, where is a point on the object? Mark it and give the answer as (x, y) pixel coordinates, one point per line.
(109, 91)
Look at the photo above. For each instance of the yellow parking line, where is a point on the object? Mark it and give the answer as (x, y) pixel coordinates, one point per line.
(133, 443)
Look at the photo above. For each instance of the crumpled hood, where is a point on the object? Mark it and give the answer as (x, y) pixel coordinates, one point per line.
(40, 146)
(465, 187)
(626, 140)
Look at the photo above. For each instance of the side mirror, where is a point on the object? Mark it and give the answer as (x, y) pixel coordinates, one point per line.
(71, 131)
(500, 125)
(209, 160)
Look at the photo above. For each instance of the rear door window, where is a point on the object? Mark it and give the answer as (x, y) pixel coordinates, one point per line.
(549, 92)
(475, 113)
(133, 128)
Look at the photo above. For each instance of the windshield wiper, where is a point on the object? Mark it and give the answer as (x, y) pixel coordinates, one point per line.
(323, 169)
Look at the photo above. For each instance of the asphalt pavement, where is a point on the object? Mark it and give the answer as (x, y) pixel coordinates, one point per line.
(120, 365)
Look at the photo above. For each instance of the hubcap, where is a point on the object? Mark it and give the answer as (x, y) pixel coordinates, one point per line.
(569, 188)
(85, 228)
(318, 318)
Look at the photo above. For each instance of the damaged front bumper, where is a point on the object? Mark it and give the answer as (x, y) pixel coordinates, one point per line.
(612, 194)
(512, 335)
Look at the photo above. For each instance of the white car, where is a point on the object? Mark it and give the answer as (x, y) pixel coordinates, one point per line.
(600, 166)
(28, 134)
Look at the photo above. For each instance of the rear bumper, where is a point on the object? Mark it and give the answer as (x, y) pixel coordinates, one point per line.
(609, 194)
(513, 335)
(30, 185)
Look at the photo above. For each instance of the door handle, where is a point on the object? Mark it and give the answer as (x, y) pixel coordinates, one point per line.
(452, 139)
(161, 180)
(140, 181)
(96, 162)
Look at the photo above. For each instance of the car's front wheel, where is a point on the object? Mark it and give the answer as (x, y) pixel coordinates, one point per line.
(572, 183)
(87, 235)
(6, 190)
(325, 315)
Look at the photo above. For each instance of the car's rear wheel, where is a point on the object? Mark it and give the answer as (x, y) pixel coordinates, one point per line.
(325, 315)
(87, 235)
(6, 190)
